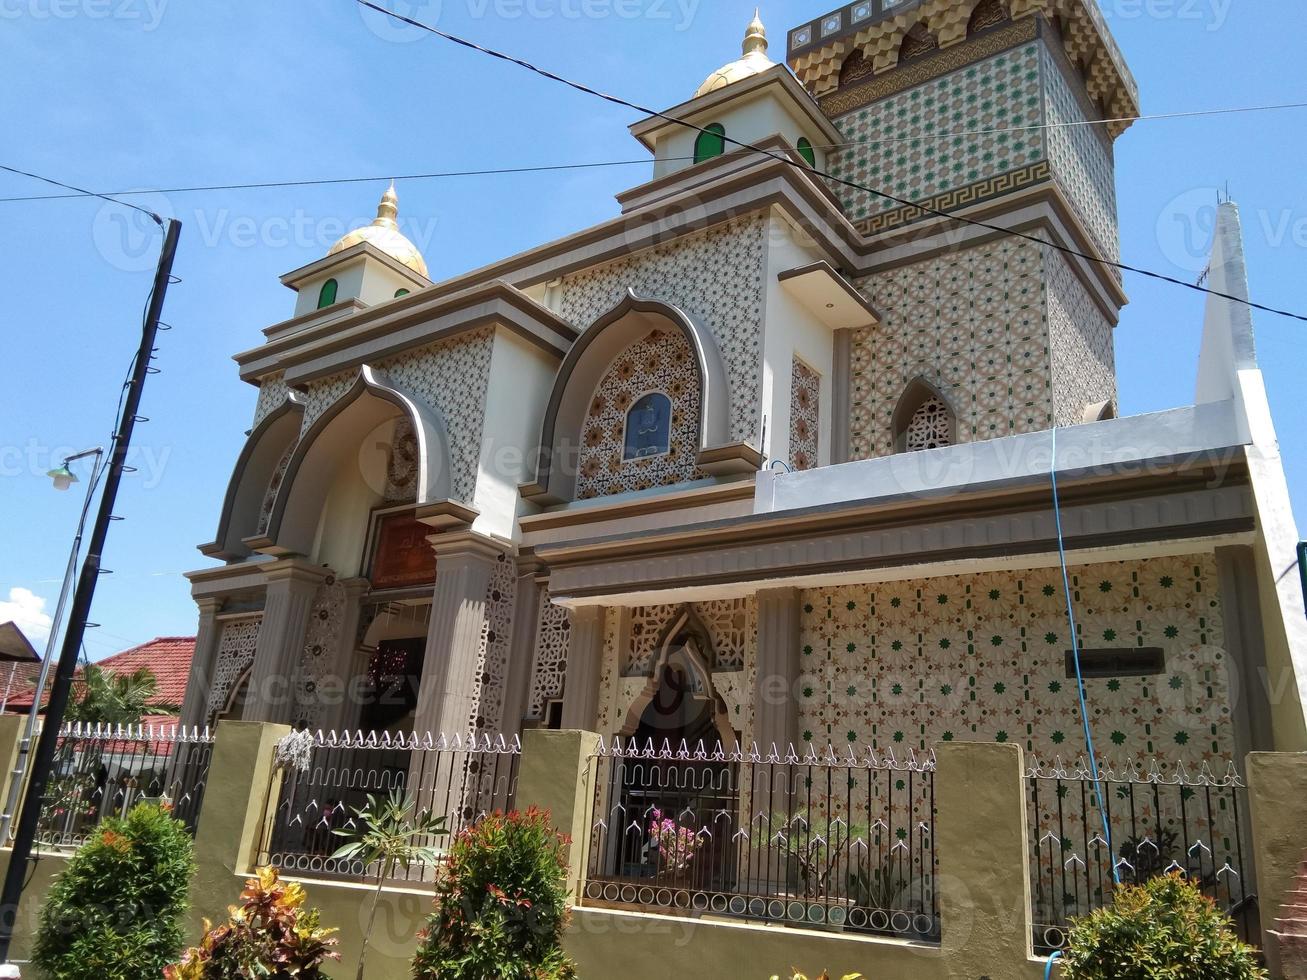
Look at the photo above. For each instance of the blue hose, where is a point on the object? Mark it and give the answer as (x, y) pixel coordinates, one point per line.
(1075, 656)
(1048, 970)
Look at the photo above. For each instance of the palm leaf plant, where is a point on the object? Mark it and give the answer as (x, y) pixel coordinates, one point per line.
(390, 833)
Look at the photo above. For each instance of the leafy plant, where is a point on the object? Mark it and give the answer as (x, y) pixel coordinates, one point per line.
(270, 936)
(501, 904)
(675, 845)
(116, 699)
(115, 912)
(876, 887)
(391, 836)
(1163, 928)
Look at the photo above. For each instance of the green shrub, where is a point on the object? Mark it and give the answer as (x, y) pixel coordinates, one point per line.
(1163, 928)
(115, 912)
(270, 935)
(501, 904)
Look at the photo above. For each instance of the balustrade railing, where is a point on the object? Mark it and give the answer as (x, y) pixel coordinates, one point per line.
(826, 840)
(319, 785)
(105, 770)
(1161, 820)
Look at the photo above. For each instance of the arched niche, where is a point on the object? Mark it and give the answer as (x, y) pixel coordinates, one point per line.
(264, 450)
(1099, 412)
(987, 14)
(336, 440)
(585, 365)
(921, 393)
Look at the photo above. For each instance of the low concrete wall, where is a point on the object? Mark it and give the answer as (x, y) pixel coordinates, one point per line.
(1277, 797)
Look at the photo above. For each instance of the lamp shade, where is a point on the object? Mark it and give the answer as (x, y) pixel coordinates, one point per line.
(63, 477)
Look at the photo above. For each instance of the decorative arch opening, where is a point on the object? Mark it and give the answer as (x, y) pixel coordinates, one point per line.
(924, 419)
(806, 151)
(639, 347)
(988, 13)
(1099, 411)
(327, 294)
(648, 427)
(855, 68)
(257, 479)
(341, 466)
(918, 42)
(710, 143)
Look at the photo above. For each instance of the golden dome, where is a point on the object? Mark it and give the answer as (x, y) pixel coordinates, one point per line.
(384, 234)
(754, 62)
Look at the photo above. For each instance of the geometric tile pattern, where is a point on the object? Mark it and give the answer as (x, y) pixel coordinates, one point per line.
(317, 659)
(549, 670)
(1081, 157)
(805, 419)
(487, 713)
(732, 626)
(900, 153)
(402, 468)
(274, 485)
(972, 324)
(1081, 344)
(661, 362)
(235, 654)
(272, 395)
(716, 277)
(982, 657)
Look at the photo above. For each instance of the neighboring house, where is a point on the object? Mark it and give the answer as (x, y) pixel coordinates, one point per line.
(167, 657)
(19, 665)
(765, 460)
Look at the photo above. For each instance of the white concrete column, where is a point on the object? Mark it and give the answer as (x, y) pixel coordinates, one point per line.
(585, 658)
(207, 634)
(522, 647)
(1245, 647)
(291, 586)
(464, 565)
(775, 707)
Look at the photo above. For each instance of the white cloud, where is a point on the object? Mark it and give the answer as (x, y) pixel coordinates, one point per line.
(27, 610)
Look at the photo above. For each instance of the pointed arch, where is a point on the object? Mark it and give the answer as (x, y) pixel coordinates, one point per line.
(372, 400)
(923, 419)
(632, 319)
(264, 449)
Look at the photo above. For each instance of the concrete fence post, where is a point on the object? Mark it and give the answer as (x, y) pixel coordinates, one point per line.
(556, 774)
(1277, 804)
(235, 812)
(984, 860)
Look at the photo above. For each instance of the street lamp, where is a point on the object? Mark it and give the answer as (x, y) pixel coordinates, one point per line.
(63, 478)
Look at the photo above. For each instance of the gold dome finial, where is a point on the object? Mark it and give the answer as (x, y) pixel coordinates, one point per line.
(754, 62)
(755, 38)
(384, 234)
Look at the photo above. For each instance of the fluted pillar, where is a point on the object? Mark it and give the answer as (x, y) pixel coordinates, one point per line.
(338, 690)
(522, 647)
(207, 634)
(464, 565)
(776, 708)
(585, 657)
(291, 586)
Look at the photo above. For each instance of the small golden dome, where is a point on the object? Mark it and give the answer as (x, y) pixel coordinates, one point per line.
(754, 62)
(384, 234)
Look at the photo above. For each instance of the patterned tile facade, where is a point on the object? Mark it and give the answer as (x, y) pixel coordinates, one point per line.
(982, 657)
(272, 395)
(487, 713)
(235, 655)
(1081, 341)
(1002, 92)
(660, 362)
(716, 277)
(972, 324)
(805, 416)
(1082, 157)
(549, 668)
(321, 641)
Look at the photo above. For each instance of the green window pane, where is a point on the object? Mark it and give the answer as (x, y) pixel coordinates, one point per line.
(400, 292)
(807, 152)
(711, 143)
(327, 297)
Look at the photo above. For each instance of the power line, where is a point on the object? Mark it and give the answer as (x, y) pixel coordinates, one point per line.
(550, 168)
(785, 158)
(81, 192)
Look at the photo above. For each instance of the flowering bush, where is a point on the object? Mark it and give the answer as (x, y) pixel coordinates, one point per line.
(675, 845)
(271, 936)
(501, 904)
(115, 912)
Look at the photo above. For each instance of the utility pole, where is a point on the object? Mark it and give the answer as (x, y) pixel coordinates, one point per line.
(43, 761)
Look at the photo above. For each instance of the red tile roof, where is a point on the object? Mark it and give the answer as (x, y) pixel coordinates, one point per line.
(167, 657)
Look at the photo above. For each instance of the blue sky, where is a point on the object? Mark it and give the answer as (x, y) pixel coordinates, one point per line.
(116, 94)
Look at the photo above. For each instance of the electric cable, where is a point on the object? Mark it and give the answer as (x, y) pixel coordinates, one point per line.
(803, 165)
(83, 192)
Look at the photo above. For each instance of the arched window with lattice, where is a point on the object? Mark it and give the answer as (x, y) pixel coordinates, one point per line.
(923, 419)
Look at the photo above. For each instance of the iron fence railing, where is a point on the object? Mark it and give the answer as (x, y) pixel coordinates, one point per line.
(819, 840)
(1161, 820)
(105, 770)
(461, 778)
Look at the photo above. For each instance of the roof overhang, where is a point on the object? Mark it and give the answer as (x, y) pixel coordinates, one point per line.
(777, 82)
(355, 253)
(829, 297)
